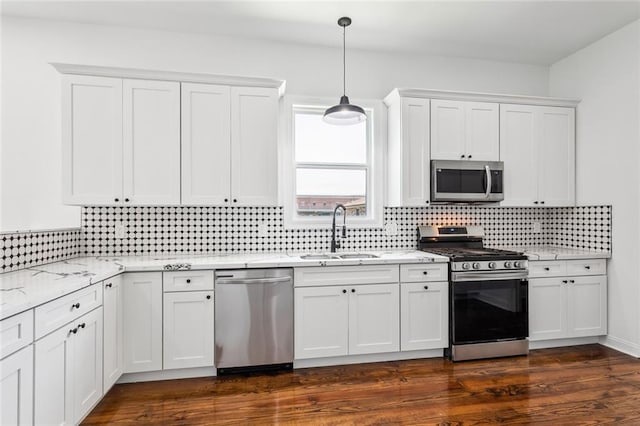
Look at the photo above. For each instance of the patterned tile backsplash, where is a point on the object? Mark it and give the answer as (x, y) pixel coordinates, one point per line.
(197, 230)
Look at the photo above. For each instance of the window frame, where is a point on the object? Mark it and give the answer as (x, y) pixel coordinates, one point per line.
(376, 142)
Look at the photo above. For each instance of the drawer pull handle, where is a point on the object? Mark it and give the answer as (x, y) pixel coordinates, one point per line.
(587, 267)
(426, 287)
(83, 325)
(565, 281)
(208, 296)
(109, 285)
(188, 281)
(75, 305)
(424, 272)
(546, 268)
(73, 330)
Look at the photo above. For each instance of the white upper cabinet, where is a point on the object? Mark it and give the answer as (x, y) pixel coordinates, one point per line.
(408, 151)
(464, 130)
(538, 150)
(229, 145)
(254, 146)
(91, 139)
(206, 144)
(151, 141)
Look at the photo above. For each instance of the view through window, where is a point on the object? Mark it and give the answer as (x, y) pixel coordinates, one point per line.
(332, 165)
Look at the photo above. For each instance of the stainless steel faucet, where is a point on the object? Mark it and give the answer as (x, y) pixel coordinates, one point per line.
(336, 244)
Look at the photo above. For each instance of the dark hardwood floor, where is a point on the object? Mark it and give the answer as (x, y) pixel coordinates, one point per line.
(587, 384)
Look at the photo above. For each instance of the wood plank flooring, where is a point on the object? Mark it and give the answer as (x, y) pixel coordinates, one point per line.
(587, 384)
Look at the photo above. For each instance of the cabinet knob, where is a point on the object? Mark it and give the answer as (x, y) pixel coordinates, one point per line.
(587, 267)
(462, 156)
(208, 296)
(344, 291)
(541, 202)
(535, 202)
(83, 325)
(75, 305)
(188, 281)
(546, 268)
(427, 201)
(109, 285)
(469, 156)
(572, 281)
(116, 199)
(126, 200)
(73, 330)
(353, 290)
(425, 273)
(226, 200)
(565, 281)
(426, 287)
(235, 200)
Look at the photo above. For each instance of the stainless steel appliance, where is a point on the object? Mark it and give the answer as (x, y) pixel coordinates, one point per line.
(488, 293)
(466, 181)
(253, 319)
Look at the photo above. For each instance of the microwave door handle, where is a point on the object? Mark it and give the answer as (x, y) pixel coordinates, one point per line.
(487, 170)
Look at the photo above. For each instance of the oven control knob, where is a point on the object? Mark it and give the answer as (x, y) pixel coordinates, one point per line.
(507, 264)
(517, 264)
(476, 265)
(492, 265)
(465, 265)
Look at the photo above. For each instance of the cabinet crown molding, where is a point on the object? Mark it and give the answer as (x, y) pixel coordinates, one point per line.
(480, 97)
(184, 77)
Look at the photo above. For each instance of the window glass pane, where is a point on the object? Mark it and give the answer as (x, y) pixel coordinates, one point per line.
(319, 190)
(319, 142)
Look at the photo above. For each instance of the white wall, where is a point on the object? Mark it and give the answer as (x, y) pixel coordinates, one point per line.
(31, 94)
(606, 75)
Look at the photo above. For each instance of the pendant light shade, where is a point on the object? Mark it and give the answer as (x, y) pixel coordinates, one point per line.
(344, 113)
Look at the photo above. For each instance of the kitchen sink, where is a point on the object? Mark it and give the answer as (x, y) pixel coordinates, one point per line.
(318, 256)
(358, 256)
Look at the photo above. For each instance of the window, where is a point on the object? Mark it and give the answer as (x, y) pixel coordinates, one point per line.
(330, 165)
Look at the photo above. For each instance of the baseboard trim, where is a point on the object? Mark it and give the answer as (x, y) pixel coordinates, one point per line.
(558, 343)
(153, 376)
(621, 345)
(362, 359)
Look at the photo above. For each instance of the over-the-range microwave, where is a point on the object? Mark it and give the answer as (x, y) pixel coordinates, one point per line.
(461, 181)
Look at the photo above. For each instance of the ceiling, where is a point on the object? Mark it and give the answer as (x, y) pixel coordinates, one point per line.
(535, 32)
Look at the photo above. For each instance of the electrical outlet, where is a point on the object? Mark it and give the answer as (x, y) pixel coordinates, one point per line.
(537, 227)
(120, 231)
(263, 229)
(391, 229)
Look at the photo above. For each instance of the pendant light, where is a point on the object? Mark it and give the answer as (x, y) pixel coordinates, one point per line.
(344, 113)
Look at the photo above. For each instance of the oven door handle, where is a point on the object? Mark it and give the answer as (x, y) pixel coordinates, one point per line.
(487, 170)
(491, 276)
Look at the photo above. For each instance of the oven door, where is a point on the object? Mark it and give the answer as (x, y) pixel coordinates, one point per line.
(486, 309)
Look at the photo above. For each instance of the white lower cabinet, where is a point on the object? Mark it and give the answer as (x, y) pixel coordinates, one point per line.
(68, 371)
(113, 331)
(424, 315)
(565, 307)
(188, 329)
(142, 294)
(16, 388)
(346, 320)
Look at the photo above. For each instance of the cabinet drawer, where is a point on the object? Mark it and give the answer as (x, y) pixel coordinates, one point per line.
(345, 275)
(56, 313)
(551, 268)
(587, 267)
(16, 332)
(424, 272)
(187, 280)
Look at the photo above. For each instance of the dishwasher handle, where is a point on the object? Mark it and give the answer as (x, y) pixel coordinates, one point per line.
(253, 280)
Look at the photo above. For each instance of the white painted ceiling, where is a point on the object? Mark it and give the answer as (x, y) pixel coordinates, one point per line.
(537, 32)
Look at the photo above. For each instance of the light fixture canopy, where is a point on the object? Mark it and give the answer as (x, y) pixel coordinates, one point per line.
(344, 113)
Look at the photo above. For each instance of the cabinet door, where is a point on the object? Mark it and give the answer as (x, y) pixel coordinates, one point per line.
(16, 388)
(151, 138)
(91, 140)
(424, 315)
(547, 308)
(374, 318)
(518, 151)
(113, 329)
(587, 310)
(206, 144)
(321, 322)
(142, 295)
(481, 131)
(188, 329)
(54, 376)
(254, 146)
(416, 169)
(447, 130)
(87, 365)
(556, 171)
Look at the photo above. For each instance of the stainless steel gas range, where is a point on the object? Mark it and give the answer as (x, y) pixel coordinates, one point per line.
(488, 293)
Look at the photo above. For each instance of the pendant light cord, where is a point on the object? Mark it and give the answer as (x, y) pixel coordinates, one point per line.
(344, 60)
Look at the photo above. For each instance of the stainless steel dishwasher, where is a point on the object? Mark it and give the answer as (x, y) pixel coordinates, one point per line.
(253, 320)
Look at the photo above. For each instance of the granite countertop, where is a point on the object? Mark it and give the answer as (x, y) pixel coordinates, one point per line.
(559, 253)
(27, 288)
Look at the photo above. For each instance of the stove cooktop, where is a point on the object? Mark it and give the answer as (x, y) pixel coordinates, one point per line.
(471, 254)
